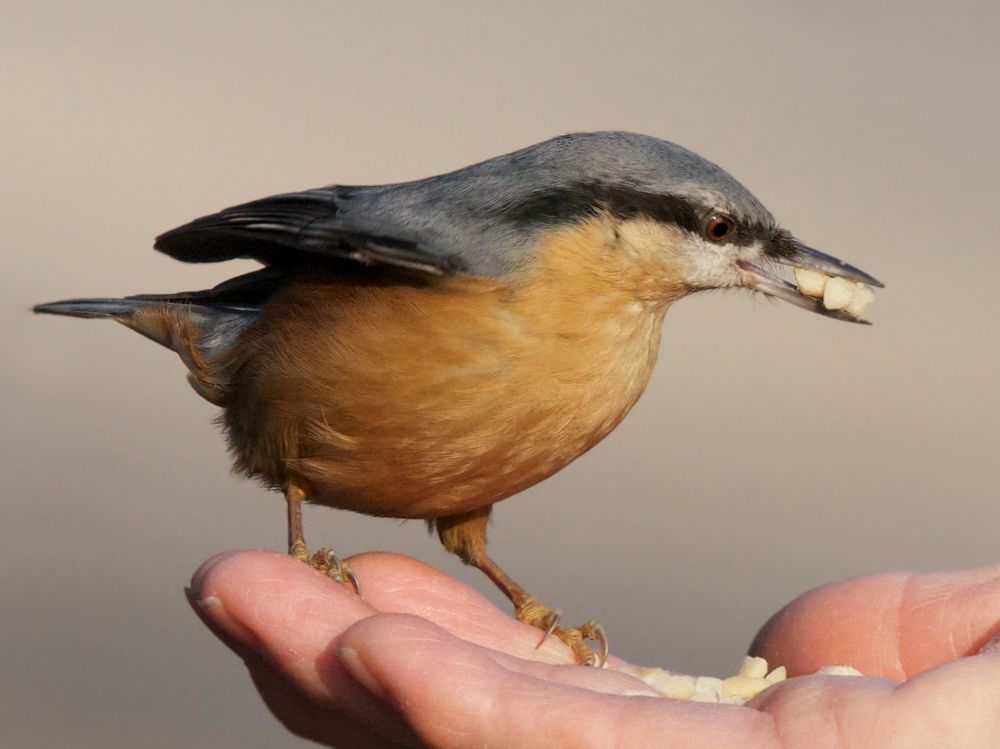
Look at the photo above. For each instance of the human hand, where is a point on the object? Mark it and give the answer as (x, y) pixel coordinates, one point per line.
(425, 660)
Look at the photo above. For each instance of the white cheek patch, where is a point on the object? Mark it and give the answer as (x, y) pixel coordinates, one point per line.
(686, 257)
(711, 265)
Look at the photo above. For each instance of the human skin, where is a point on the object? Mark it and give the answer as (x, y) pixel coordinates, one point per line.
(423, 660)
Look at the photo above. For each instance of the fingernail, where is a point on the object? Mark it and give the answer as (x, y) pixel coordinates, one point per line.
(208, 602)
(357, 668)
(212, 611)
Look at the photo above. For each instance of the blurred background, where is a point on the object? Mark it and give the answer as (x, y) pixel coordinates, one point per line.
(774, 450)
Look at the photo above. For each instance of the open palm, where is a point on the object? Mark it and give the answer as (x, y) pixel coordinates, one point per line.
(424, 660)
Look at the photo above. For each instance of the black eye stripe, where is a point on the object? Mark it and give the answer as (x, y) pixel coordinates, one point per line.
(574, 202)
(571, 203)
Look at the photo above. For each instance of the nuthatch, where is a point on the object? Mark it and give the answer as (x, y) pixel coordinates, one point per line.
(426, 349)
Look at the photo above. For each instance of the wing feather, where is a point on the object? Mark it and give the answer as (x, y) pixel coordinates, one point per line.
(296, 227)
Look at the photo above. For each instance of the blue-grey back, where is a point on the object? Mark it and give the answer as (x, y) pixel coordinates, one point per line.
(481, 219)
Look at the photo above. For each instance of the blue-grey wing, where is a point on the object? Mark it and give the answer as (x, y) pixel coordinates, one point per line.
(295, 227)
(480, 219)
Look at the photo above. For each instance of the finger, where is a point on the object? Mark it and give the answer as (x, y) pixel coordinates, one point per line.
(291, 616)
(954, 705)
(403, 585)
(243, 643)
(308, 719)
(456, 694)
(958, 699)
(288, 704)
(893, 625)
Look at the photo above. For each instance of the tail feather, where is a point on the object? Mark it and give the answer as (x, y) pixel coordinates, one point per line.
(198, 333)
(91, 308)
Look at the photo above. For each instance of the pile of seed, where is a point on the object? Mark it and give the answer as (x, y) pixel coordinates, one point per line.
(752, 679)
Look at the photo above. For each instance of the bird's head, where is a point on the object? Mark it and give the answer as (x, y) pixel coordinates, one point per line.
(678, 210)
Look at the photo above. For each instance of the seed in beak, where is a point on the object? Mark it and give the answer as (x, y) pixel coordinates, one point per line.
(836, 293)
(811, 282)
(863, 297)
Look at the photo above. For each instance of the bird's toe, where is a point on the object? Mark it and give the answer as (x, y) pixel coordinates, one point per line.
(537, 614)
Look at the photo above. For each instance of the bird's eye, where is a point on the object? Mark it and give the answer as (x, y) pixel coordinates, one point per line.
(719, 227)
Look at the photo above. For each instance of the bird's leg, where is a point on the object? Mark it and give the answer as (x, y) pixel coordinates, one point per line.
(324, 560)
(296, 541)
(465, 535)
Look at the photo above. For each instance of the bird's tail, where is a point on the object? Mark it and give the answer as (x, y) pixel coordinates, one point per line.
(89, 307)
(199, 333)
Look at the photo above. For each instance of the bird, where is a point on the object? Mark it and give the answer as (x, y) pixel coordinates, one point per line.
(425, 349)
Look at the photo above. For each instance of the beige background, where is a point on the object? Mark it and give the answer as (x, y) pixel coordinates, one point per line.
(774, 451)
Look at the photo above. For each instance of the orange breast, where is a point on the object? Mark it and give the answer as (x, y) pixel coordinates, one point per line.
(428, 399)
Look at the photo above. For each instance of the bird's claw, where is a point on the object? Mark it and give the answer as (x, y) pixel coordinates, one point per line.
(555, 617)
(548, 620)
(326, 561)
(595, 632)
(576, 638)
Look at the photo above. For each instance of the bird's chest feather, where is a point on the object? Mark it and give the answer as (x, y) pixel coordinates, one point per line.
(434, 399)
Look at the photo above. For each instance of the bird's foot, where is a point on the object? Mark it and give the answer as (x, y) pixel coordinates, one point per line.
(537, 614)
(327, 562)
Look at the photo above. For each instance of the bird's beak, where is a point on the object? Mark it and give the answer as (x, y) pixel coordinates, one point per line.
(819, 269)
